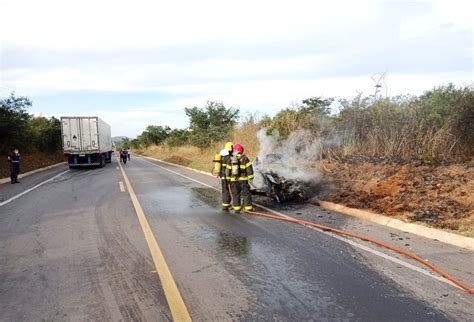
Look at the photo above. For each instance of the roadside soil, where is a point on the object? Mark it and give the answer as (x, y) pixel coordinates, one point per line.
(31, 161)
(440, 196)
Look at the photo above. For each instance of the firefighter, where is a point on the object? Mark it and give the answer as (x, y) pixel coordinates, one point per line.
(220, 162)
(239, 172)
(14, 160)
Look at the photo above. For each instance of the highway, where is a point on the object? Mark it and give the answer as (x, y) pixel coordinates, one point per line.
(148, 241)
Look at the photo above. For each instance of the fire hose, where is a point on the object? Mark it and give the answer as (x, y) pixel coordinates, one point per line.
(408, 254)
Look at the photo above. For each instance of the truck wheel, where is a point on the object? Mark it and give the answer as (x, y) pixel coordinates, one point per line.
(109, 158)
(102, 161)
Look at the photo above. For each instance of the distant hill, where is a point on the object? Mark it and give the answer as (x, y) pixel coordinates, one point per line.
(116, 139)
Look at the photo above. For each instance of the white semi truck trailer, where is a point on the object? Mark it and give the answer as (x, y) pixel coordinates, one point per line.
(86, 141)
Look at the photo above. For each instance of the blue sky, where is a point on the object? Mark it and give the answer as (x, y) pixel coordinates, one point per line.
(139, 63)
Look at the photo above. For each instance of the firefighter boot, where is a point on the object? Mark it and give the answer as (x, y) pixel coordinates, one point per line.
(226, 197)
(236, 195)
(246, 196)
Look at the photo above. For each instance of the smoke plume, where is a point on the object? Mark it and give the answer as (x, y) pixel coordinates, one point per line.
(293, 160)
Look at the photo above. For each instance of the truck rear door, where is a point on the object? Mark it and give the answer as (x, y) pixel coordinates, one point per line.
(71, 134)
(89, 134)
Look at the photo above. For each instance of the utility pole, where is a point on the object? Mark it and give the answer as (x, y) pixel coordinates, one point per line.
(379, 81)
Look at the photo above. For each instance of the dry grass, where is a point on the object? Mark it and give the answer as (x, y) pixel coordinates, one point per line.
(201, 159)
(404, 142)
(186, 155)
(246, 134)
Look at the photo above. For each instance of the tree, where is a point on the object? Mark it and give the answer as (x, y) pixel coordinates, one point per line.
(154, 134)
(178, 137)
(313, 115)
(211, 123)
(317, 106)
(46, 133)
(14, 122)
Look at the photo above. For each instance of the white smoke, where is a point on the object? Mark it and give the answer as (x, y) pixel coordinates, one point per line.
(292, 159)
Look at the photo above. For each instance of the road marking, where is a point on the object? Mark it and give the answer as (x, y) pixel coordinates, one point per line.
(173, 296)
(343, 239)
(118, 168)
(370, 250)
(122, 188)
(179, 174)
(3, 203)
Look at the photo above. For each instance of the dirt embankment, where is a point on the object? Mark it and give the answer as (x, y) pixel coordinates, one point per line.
(31, 161)
(438, 196)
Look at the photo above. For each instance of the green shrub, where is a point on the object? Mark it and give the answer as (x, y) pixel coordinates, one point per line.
(210, 124)
(313, 115)
(177, 138)
(438, 125)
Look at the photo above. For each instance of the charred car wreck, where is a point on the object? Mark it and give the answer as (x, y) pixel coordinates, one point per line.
(281, 181)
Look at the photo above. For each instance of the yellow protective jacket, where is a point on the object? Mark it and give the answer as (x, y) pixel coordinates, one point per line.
(245, 169)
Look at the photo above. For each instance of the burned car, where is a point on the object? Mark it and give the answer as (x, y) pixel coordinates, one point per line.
(283, 180)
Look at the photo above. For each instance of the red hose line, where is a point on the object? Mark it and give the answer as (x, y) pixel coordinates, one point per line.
(465, 287)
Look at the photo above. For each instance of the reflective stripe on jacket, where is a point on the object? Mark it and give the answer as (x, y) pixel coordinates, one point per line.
(246, 169)
(14, 158)
(224, 161)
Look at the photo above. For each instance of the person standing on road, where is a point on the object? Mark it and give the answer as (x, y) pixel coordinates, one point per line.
(128, 153)
(14, 160)
(124, 155)
(239, 171)
(225, 154)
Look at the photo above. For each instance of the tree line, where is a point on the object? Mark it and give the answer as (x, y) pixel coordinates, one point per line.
(436, 125)
(207, 125)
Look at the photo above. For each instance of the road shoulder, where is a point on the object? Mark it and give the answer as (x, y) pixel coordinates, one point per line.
(22, 175)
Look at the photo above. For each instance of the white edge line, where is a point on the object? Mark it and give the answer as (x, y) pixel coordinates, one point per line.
(179, 166)
(343, 239)
(32, 188)
(368, 249)
(179, 174)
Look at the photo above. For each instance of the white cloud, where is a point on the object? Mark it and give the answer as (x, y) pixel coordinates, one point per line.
(119, 24)
(253, 55)
(458, 13)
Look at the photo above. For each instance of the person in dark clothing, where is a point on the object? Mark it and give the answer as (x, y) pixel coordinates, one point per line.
(123, 155)
(14, 160)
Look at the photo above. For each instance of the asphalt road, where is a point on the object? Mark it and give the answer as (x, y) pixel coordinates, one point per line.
(74, 248)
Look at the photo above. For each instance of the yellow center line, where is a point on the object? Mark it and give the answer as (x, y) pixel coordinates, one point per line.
(173, 296)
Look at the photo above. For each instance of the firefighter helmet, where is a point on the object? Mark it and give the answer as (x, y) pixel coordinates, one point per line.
(224, 152)
(229, 146)
(239, 148)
